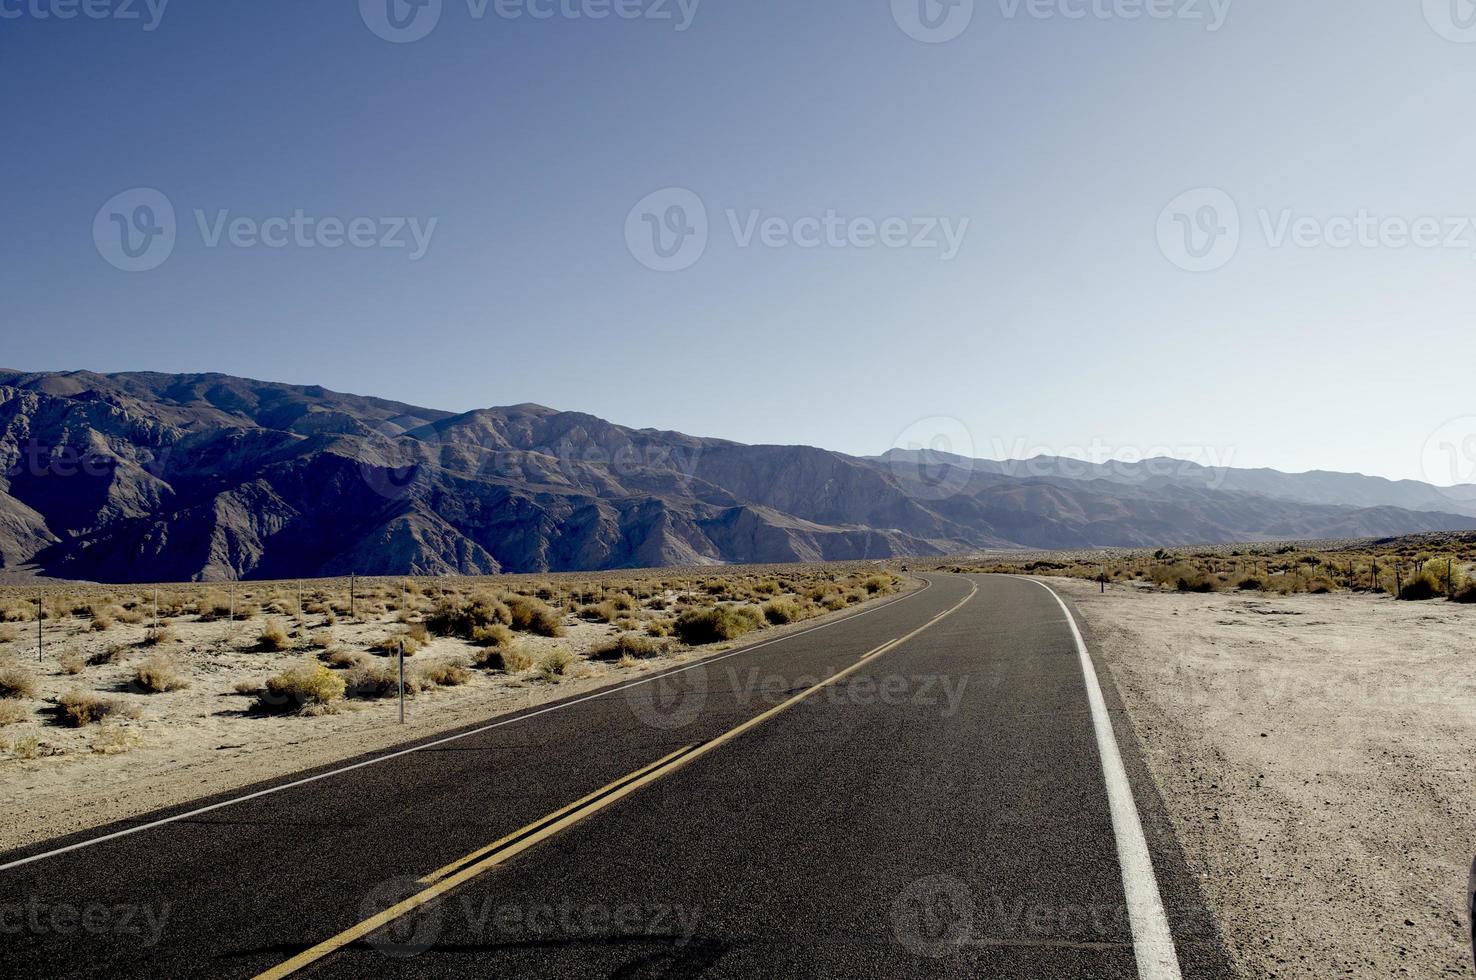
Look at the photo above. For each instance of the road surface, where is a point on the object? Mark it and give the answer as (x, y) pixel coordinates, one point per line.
(917, 790)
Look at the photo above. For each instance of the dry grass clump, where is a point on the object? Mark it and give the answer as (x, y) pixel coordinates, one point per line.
(715, 624)
(321, 640)
(7, 633)
(781, 611)
(159, 637)
(111, 654)
(631, 646)
(509, 660)
(446, 673)
(81, 708)
(17, 683)
(274, 637)
(380, 680)
(103, 618)
(307, 687)
(530, 615)
(456, 615)
(12, 713)
(496, 636)
(159, 674)
(554, 665)
(344, 659)
(71, 662)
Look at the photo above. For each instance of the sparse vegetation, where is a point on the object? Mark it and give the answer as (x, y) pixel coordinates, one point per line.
(554, 665)
(17, 683)
(303, 687)
(715, 624)
(80, 708)
(274, 637)
(12, 713)
(159, 674)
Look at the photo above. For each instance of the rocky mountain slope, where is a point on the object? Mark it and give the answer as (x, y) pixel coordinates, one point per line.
(137, 477)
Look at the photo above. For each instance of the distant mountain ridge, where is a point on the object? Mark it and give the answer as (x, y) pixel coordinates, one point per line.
(155, 477)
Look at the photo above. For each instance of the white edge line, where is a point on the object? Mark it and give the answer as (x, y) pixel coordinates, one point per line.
(1153, 941)
(450, 738)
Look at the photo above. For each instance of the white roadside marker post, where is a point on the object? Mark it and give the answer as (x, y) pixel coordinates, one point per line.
(402, 682)
(40, 628)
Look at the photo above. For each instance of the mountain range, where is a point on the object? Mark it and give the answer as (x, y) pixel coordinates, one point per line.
(161, 477)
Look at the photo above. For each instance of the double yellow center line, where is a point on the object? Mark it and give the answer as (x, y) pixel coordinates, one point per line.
(484, 859)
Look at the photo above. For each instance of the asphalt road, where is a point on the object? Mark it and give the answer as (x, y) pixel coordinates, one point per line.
(936, 809)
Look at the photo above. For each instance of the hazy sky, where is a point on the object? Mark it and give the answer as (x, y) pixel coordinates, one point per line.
(1037, 278)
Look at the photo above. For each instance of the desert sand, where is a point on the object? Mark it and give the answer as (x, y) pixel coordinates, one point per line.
(1316, 757)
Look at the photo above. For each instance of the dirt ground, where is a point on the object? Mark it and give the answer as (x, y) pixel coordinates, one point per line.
(204, 739)
(1318, 758)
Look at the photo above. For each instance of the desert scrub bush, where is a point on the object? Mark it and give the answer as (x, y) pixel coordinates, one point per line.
(380, 681)
(781, 611)
(714, 624)
(321, 640)
(456, 615)
(343, 659)
(80, 708)
(530, 615)
(17, 683)
(600, 612)
(389, 646)
(766, 587)
(629, 646)
(661, 627)
(1466, 593)
(445, 673)
(494, 637)
(131, 617)
(509, 660)
(7, 633)
(1250, 584)
(878, 584)
(159, 674)
(300, 688)
(12, 713)
(833, 601)
(273, 637)
(71, 662)
(554, 665)
(158, 637)
(104, 618)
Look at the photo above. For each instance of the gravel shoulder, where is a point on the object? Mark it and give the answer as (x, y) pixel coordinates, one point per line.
(1315, 755)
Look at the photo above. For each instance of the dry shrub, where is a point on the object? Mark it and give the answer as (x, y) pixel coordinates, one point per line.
(458, 616)
(7, 633)
(321, 640)
(879, 584)
(81, 708)
(12, 713)
(629, 646)
(530, 615)
(380, 681)
(113, 653)
(496, 636)
(510, 660)
(307, 685)
(70, 662)
(159, 637)
(104, 618)
(781, 611)
(446, 673)
(1466, 594)
(344, 658)
(17, 683)
(274, 637)
(251, 688)
(833, 601)
(390, 645)
(159, 674)
(661, 627)
(27, 748)
(554, 665)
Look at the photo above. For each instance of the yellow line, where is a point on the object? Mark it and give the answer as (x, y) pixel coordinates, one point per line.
(444, 880)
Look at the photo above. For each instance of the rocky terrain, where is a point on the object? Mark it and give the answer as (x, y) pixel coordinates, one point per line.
(155, 477)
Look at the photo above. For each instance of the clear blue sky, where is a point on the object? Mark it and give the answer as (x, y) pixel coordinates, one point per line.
(1061, 323)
